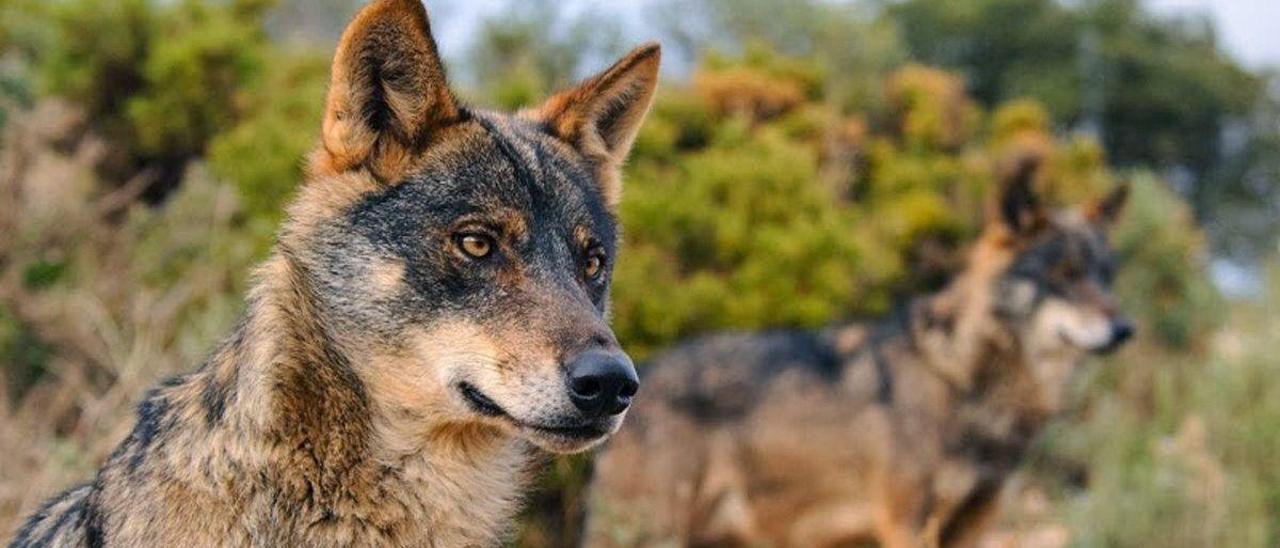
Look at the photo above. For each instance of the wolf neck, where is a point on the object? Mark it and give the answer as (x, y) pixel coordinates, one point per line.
(978, 354)
(316, 435)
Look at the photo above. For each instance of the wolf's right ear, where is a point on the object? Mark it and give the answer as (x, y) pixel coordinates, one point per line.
(1106, 210)
(601, 116)
(1017, 205)
(387, 92)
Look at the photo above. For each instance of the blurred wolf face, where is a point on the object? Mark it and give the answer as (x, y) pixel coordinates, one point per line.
(467, 255)
(1057, 288)
(1068, 276)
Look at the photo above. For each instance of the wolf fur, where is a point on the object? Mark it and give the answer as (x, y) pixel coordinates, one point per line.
(900, 432)
(401, 362)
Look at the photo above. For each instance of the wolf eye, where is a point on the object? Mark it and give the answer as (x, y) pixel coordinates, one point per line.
(1107, 274)
(474, 245)
(594, 265)
(1072, 271)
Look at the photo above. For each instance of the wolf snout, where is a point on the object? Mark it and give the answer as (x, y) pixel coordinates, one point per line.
(1122, 330)
(602, 383)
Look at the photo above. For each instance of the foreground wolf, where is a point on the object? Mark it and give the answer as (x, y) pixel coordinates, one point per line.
(431, 318)
(900, 433)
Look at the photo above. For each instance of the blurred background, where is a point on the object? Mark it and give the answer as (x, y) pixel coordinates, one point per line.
(806, 161)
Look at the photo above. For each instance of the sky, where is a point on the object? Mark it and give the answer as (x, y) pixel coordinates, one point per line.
(1250, 29)
(464, 16)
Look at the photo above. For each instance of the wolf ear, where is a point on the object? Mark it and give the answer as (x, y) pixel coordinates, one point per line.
(1017, 205)
(387, 92)
(1106, 211)
(601, 116)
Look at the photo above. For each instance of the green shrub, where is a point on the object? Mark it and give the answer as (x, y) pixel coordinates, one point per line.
(708, 234)
(24, 356)
(1163, 280)
(265, 153)
(158, 79)
(200, 59)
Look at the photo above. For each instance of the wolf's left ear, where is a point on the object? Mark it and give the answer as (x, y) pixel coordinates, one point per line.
(1017, 205)
(1106, 211)
(387, 93)
(601, 116)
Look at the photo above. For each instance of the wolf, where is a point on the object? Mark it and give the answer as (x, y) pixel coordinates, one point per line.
(899, 432)
(430, 323)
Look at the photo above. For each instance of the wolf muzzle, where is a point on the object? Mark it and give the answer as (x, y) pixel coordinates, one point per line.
(602, 383)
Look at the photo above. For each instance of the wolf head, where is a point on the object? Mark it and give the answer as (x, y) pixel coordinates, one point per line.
(462, 258)
(1054, 271)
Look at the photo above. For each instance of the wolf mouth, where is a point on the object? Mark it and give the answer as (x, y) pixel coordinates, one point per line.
(485, 405)
(1102, 350)
(480, 402)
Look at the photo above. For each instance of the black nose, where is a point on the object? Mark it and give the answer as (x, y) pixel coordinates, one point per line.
(602, 383)
(1121, 331)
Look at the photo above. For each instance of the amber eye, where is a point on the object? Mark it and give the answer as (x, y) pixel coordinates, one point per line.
(595, 265)
(1072, 271)
(474, 245)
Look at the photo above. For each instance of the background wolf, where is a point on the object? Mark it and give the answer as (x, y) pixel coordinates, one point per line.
(432, 313)
(901, 432)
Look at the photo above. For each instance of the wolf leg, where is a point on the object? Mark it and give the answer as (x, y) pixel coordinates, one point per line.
(724, 516)
(838, 524)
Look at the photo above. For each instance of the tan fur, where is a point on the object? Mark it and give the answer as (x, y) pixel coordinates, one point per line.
(387, 276)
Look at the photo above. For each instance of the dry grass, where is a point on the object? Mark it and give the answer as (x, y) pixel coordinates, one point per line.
(1164, 449)
(117, 296)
